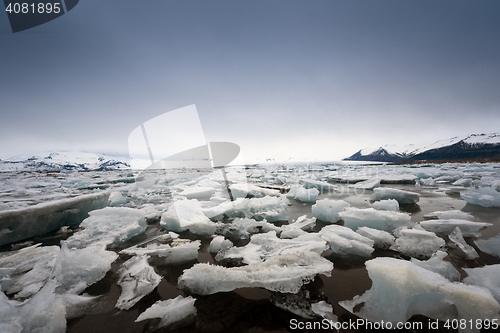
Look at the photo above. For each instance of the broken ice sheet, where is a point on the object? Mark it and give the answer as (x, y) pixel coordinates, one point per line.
(174, 313)
(137, 279)
(401, 289)
(417, 243)
(179, 251)
(457, 238)
(285, 273)
(447, 226)
(345, 242)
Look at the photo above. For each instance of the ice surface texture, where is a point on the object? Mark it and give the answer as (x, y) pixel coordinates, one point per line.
(302, 194)
(389, 204)
(137, 279)
(251, 191)
(185, 215)
(285, 273)
(418, 243)
(355, 218)
(446, 227)
(328, 210)
(403, 197)
(484, 196)
(271, 209)
(490, 246)
(179, 251)
(487, 277)
(174, 313)
(345, 242)
(401, 289)
(382, 239)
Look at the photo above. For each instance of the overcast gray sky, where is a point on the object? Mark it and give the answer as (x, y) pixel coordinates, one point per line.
(280, 78)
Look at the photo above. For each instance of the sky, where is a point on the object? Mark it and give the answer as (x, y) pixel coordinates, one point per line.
(282, 79)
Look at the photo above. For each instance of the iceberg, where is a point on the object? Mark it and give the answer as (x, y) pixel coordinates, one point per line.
(449, 214)
(321, 186)
(490, 245)
(219, 243)
(417, 243)
(345, 242)
(116, 199)
(401, 289)
(181, 250)
(487, 277)
(389, 204)
(302, 194)
(271, 209)
(402, 197)
(355, 218)
(285, 273)
(328, 210)
(457, 238)
(174, 313)
(367, 184)
(185, 215)
(251, 191)
(483, 196)
(436, 264)
(137, 279)
(382, 239)
(110, 225)
(264, 246)
(446, 227)
(298, 227)
(198, 192)
(242, 228)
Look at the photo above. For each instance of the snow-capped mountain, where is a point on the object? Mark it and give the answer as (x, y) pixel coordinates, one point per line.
(461, 147)
(72, 160)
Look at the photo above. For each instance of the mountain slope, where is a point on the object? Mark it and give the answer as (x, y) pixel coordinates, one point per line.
(465, 147)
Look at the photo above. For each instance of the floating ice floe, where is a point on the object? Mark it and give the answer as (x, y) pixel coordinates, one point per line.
(401, 289)
(302, 194)
(137, 279)
(484, 196)
(185, 215)
(298, 227)
(355, 218)
(389, 204)
(181, 250)
(328, 210)
(48, 216)
(345, 242)
(76, 269)
(251, 191)
(457, 238)
(110, 225)
(44, 312)
(402, 197)
(436, 264)
(219, 243)
(116, 199)
(367, 184)
(490, 245)
(325, 310)
(487, 277)
(449, 214)
(174, 313)
(382, 239)
(465, 182)
(285, 273)
(24, 272)
(198, 192)
(242, 228)
(321, 186)
(417, 243)
(264, 246)
(446, 227)
(428, 181)
(271, 209)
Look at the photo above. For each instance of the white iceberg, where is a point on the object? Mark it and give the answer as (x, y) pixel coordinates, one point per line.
(355, 218)
(137, 279)
(328, 210)
(389, 204)
(457, 238)
(116, 199)
(486, 277)
(367, 184)
(382, 239)
(219, 243)
(418, 243)
(251, 191)
(174, 313)
(401, 289)
(483, 196)
(302, 194)
(345, 242)
(320, 185)
(436, 264)
(446, 227)
(181, 250)
(271, 209)
(185, 215)
(198, 192)
(285, 273)
(490, 245)
(110, 225)
(403, 197)
(242, 228)
(449, 214)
